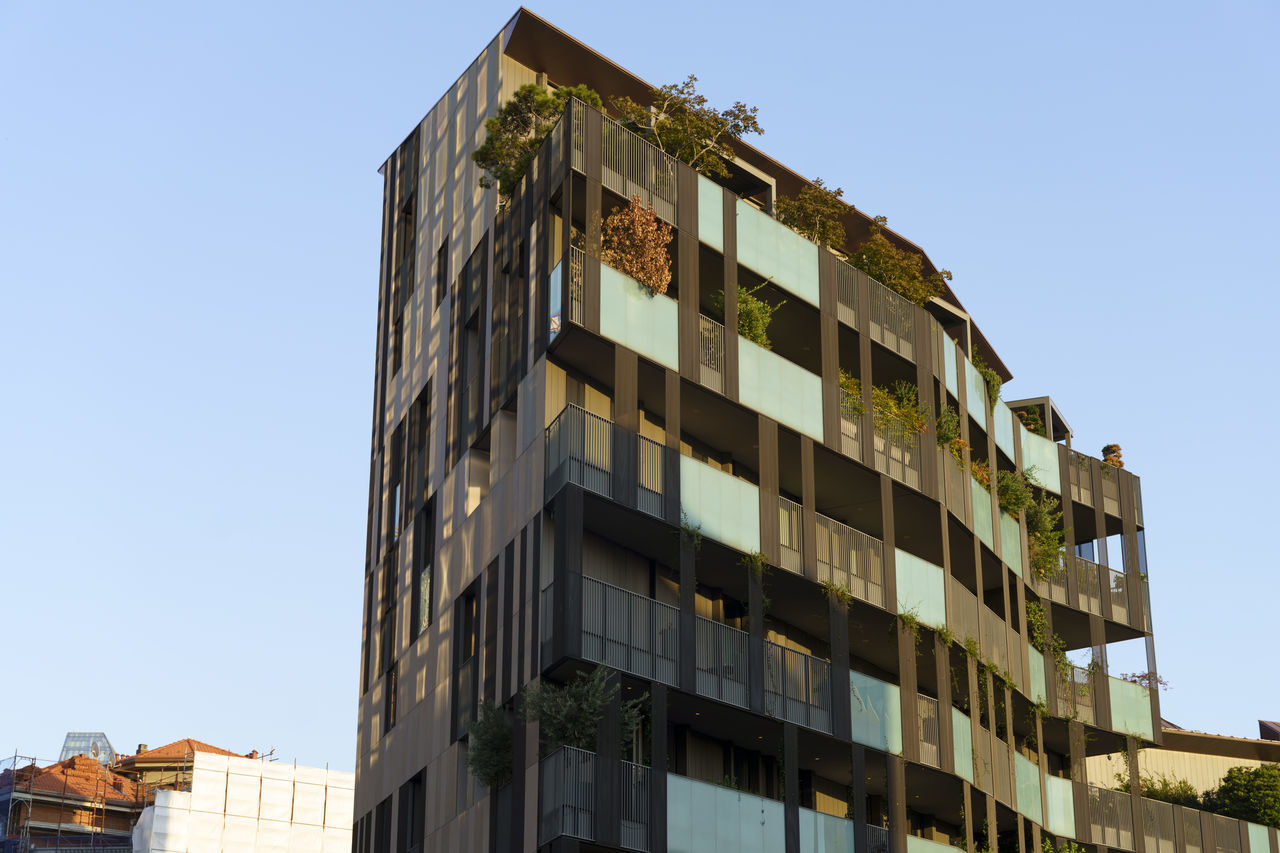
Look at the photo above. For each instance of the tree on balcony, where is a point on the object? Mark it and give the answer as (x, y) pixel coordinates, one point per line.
(754, 314)
(517, 130)
(898, 269)
(815, 214)
(635, 244)
(682, 124)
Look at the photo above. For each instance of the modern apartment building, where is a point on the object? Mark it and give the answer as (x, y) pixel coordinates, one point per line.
(825, 615)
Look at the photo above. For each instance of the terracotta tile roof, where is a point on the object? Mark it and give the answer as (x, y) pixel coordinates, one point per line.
(178, 750)
(79, 777)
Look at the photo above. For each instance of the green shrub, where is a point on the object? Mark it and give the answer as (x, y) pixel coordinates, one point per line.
(489, 746)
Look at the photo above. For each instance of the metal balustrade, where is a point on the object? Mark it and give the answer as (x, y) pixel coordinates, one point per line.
(930, 733)
(877, 839)
(893, 320)
(797, 687)
(566, 795)
(996, 641)
(957, 480)
(847, 292)
(1192, 837)
(1081, 480)
(1110, 818)
(1118, 589)
(1088, 584)
(650, 476)
(710, 353)
(1075, 694)
(1002, 771)
(1226, 834)
(577, 272)
(546, 621)
(851, 559)
(555, 151)
(635, 806)
(1110, 488)
(962, 612)
(630, 632)
(722, 662)
(1157, 826)
(897, 451)
(1055, 586)
(630, 165)
(850, 422)
(790, 515)
(580, 450)
(578, 134)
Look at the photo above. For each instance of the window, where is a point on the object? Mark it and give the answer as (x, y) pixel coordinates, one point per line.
(395, 487)
(442, 271)
(419, 467)
(424, 554)
(392, 688)
(411, 814)
(466, 626)
(382, 827)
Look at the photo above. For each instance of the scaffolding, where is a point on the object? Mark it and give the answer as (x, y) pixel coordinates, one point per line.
(35, 816)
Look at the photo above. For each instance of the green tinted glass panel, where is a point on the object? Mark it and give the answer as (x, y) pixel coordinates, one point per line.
(962, 743)
(1028, 779)
(1060, 808)
(784, 391)
(1003, 427)
(921, 589)
(1042, 454)
(727, 509)
(1038, 691)
(1130, 708)
(1011, 542)
(710, 214)
(638, 321)
(553, 302)
(876, 710)
(924, 845)
(824, 833)
(704, 817)
(949, 363)
(776, 252)
(982, 513)
(1259, 838)
(975, 395)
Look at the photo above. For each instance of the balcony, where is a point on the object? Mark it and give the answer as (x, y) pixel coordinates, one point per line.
(897, 452)
(1130, 708)
(850, 440)
(580, 449)
(928, 729)
(723, 662)
(1117, 588)
(1088, 584)
(1075, 698)
(996, 637)
(893, 320)
(1042, 454)
(630, 632)
(962, 612)
(702, 816)
(1053, 588)
(779, 388)
(875, 712)
(1157, 827)
(790, 518)
(851, 559)
(1059, 806)
(797, 687)
(567, 798)
(981, 502)
(726, 508)
(962, 744)
(1027, 779)
(711, 353)
(1110, 818)
(1079, 475)
(1110, 489)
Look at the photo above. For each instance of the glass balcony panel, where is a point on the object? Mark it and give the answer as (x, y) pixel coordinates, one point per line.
(711, 214)
(921, 589)
(1027, 775)
(725, 508)
(1011, 542)
(851, 559)
(915, 844)
(981, 500)
(704, 817)
(1060, 808)
(554, 296)
(928, 730)
(630, 632)
(710, 353)
(824, 833)
(975, 395)
(876, 712)
(1130, 708)
(797, 687)
(949, 356)
(1259, 838)
(1157, 827)
(1003, 417)
(1036, 661)
(629, 315)
(723, 669)
(962, 744)
(782, 390)
(1041, 454)
(566, 794)
(777, 253)
(790, 515)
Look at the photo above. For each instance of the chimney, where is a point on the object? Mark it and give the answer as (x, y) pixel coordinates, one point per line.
(142, 747)
(253, 754)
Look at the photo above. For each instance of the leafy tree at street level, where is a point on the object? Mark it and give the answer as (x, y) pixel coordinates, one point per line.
(754, 314)
(815, 214)
(681, 124)
(489, 748)
(635, 244)
(517, 130)
(1248, 793)
(900, 270)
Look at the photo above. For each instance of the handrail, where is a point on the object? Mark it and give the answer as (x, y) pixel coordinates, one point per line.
(629, 631)
(849, 558)
(797, 686)
(791, 539)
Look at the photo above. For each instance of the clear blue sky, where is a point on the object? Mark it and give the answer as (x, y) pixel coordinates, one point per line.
(189, 219)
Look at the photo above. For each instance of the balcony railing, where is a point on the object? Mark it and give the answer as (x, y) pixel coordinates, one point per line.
(1118, 589)
(1081, 481)
(1192, 836)
(1157, 826)
(892, 320)
(1110, 489)
(631, 632)
(722, 662)
(580, 450)
(898, 452)
(1000, 769)
(1110, 818)
(850, 439)
(997, 638)
(953, 481)
(790, 515)
(711, 353)
(851, 559)
(1088, 584)
(877, 839)
(797, 687)
(635, 806)
(962, 612)
(847, 293)
(566, 794)
(577, 267)
(930, 733)
(650, 476)
(1055, 587)
(1075, 694)
(1226, 834)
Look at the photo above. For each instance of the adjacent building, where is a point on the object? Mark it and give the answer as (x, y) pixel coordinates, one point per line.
(825, 615)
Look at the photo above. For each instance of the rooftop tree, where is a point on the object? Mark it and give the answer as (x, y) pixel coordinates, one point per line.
(682, 124)
(815, 214)
(517, 130)
(898, 269)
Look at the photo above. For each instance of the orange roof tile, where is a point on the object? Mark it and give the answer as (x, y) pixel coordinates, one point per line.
(78, 777)
(179, 749)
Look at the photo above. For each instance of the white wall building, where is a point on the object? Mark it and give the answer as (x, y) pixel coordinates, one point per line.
(242, 804)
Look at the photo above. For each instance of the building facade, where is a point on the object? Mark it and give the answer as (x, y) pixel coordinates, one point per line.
(825, 616)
